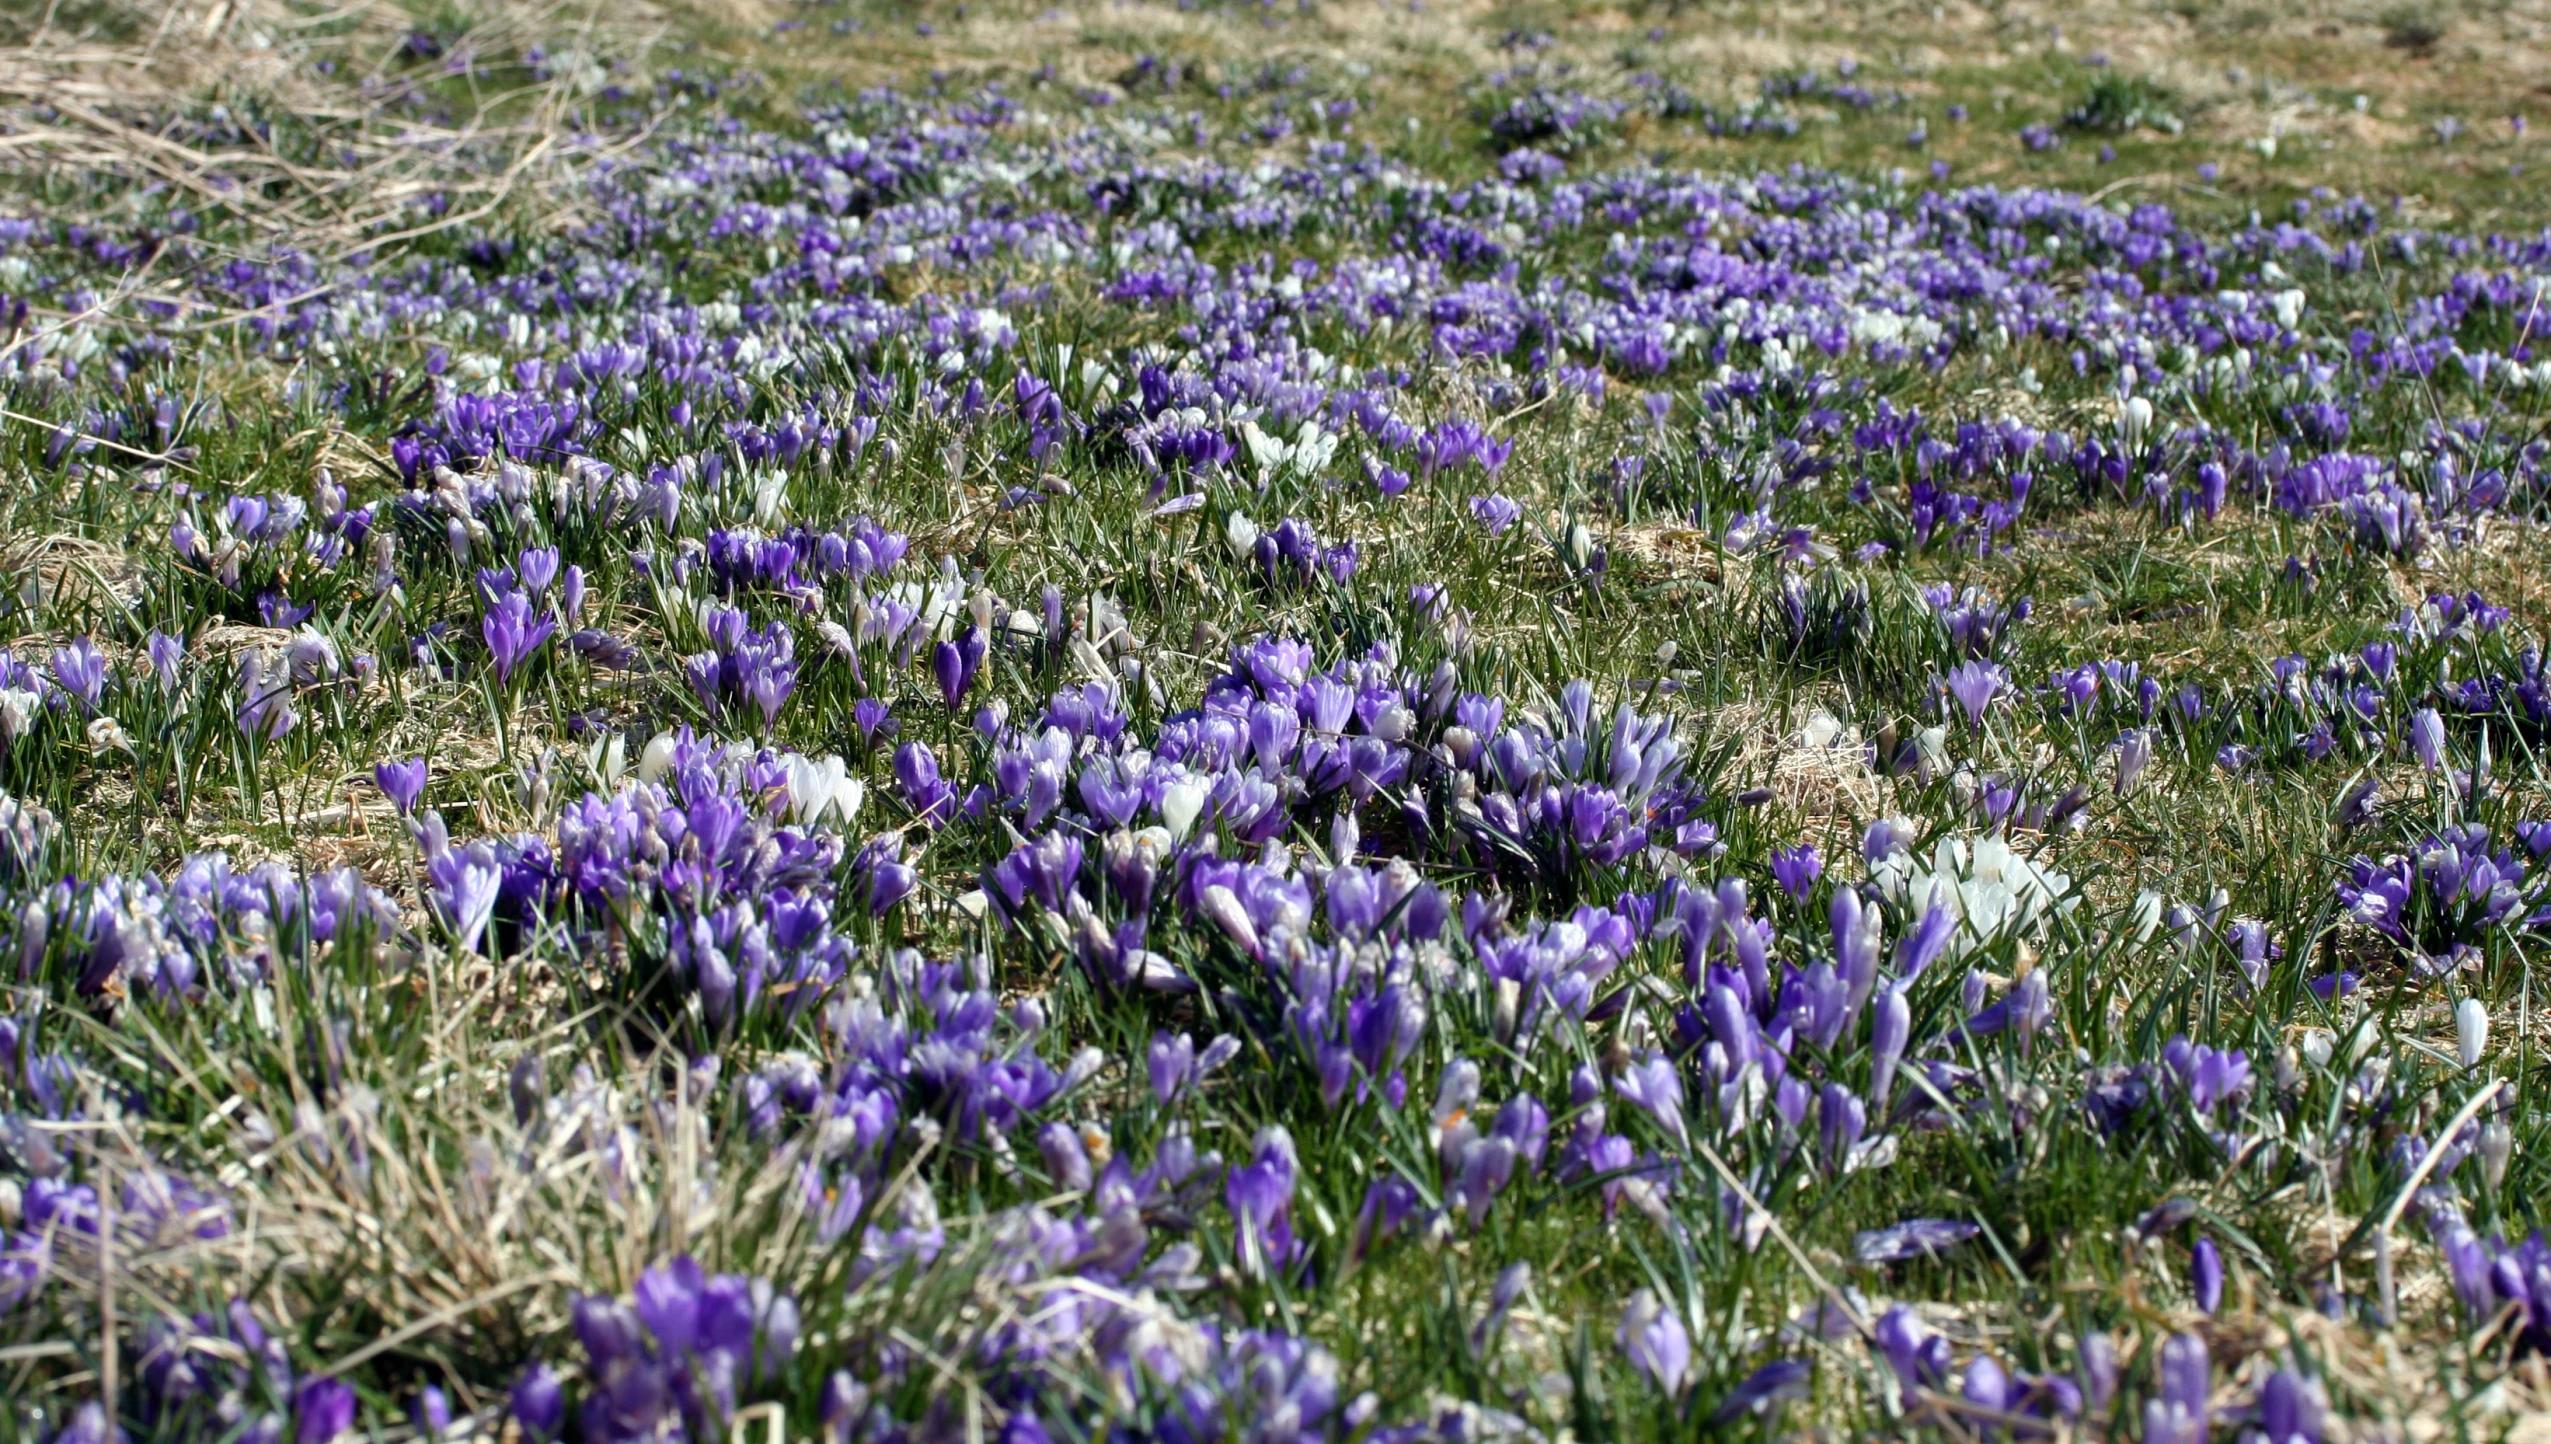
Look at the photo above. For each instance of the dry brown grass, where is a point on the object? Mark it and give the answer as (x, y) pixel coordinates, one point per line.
(300, 124)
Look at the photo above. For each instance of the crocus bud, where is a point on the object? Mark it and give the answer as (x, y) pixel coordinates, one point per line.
(539, 1406)
(35, 925)
(656, 758)
(2319, 1046)
(2186, 1377)
(1223, 908)
(1855, 931)
(2427, 738)
(2098, 1370)
(433, 1413)
(2146, 919)
(1842, 1118)
(2205, 1275)
(402, 782)
(2471, 1030)
(2497, 1145)
(2134, 421)
(1456, 1092)
(1889, 1029)
(322, 1410)
(1066, 1161)
(2030, 1007)
(537, 567)
(2134, 753)
(947, 666)
(1986, 1386)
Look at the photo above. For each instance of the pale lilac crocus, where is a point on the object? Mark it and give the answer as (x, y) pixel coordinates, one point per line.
(2134, 754)
(1655, 1086)
(2427, 738)
(1495, 513)
(1656, 1342)
(1889, 1028)
(2176, 1412)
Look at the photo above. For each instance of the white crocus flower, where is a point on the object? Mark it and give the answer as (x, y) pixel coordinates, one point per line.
(818, 787)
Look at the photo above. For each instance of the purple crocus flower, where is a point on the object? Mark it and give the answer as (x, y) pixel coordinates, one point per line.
(1172, 1060)
(1656, 1341)
(1918, 1355)
(2134, 754)
(401, 782)
(873, 718)
(322, 1410)
(167, 654)
(1917, 950)
(1758, 1391)
(1890, 1027)
(1987, 1386)
(466, 887)
(1388, 1204)
(932, 800)
(514, 632)
(1841, 1117)
(1654, 1085)
(1913, 1238)
(1975, 684)
(954, 664)
(2176, 1412)
(1796, 870)
(668, 1298)
(1495, 513)
(1260, 1196)
(539, 1404)
(2210, 1076)
(432, 1413)
(2098, 1360)
(538, 567)
(2205, 1275)
(1066, 1158)
(2289, 1408)
(881, 877)
(81, 670)
(265, 697)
